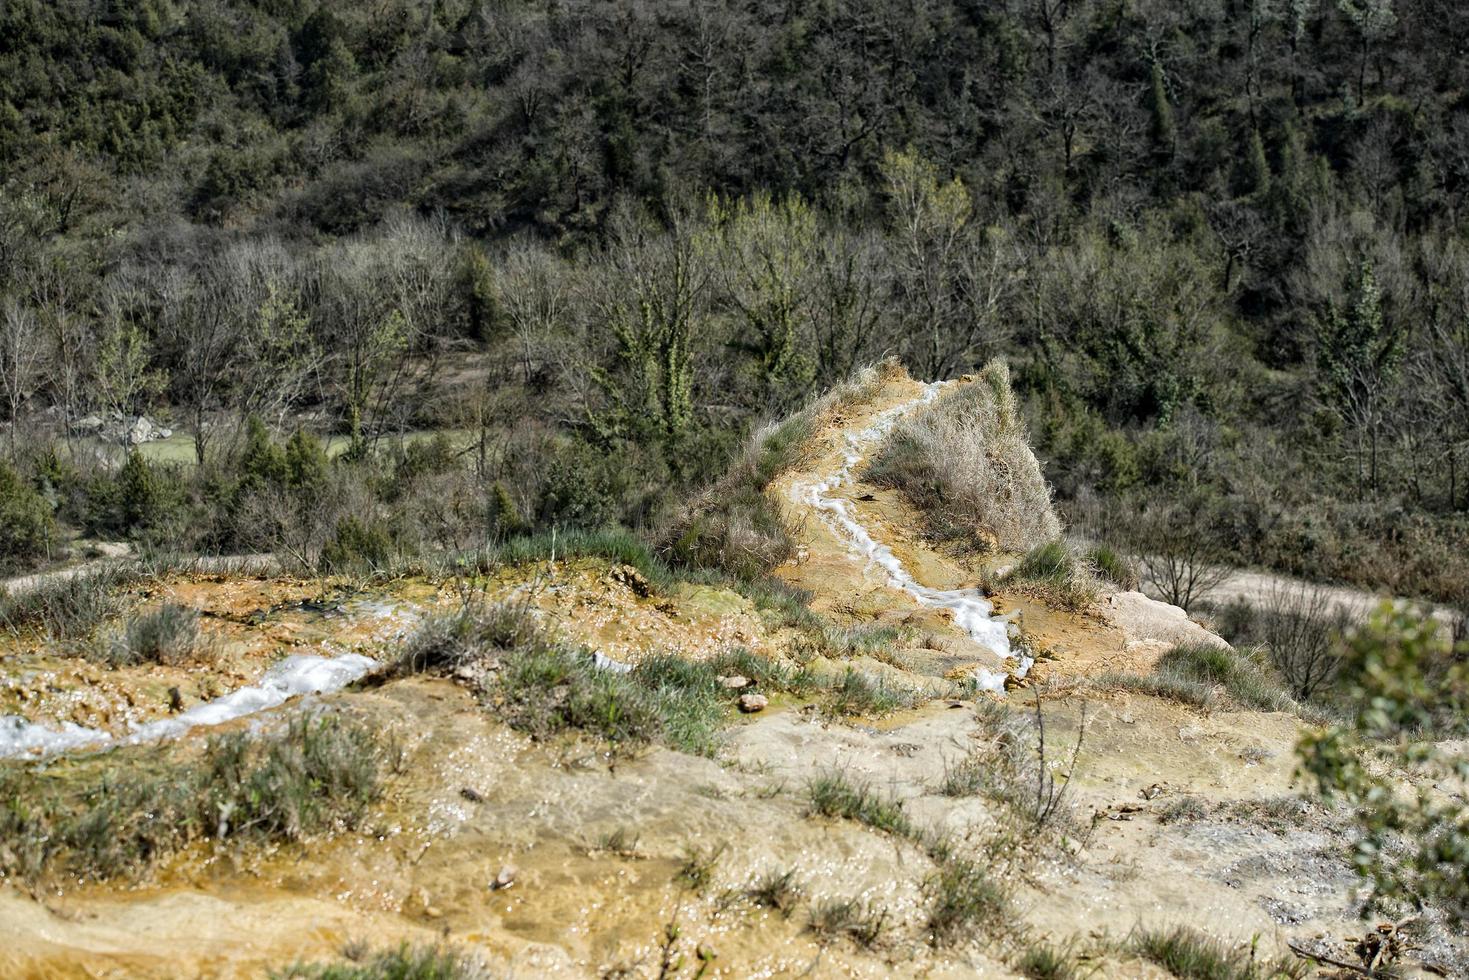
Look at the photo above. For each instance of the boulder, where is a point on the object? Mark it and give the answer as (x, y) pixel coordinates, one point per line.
(1142, 618)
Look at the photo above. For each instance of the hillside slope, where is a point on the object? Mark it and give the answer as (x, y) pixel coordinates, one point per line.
(988, 810)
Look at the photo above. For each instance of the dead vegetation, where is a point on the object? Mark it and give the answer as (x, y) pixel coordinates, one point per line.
(965, 463)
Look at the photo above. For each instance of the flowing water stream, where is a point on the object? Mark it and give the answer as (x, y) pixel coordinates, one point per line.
(294, 676)
(971, 612)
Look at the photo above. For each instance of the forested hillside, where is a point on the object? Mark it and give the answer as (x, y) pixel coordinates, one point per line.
(1221, 243)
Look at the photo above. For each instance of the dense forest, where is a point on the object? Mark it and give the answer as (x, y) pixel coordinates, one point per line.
(1223, 244)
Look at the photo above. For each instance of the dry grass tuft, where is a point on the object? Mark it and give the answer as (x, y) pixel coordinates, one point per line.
(965, 462)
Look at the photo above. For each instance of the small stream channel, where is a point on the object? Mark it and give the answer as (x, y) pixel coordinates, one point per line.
(972, 612)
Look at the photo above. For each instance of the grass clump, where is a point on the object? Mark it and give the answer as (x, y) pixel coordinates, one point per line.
(448, 640)
(404, 963)
(67, 607)
(833, 795)
(963, 898)
(1246, 681)
(860, 922)
(114, 814)
(1170, 687)
(778, 890)
(766, 673)
(1197, 675)
(167, 635)
(546, 689)
(1044, 961)
(965, 463)
(1192, 955)
(1111, 565)
(1054, 573)
(858, 693)
(696, 873)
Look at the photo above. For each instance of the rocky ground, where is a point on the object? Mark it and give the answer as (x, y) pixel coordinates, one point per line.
(556, 858)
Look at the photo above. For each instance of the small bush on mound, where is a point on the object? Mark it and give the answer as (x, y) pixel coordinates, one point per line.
(1244, 680)
(1191, 955)
(404, 963)
(116, 813)
(167, 635)
(965, 462)
(1054, 573)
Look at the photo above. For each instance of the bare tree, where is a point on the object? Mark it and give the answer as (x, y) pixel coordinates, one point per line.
(22, 354)
(1298, 625)
(1179, 553)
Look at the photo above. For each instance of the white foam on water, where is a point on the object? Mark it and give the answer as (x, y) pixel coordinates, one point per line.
(291, 677)
(971, 612)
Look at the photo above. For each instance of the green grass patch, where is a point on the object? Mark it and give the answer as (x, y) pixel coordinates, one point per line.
(833, 795)
(1053, 573)
(1247, 682)
(1192, 955)
(116, 813)
(860, 694)
(1113, 566)
(404, 963)
(1197, 675)
(965, 902)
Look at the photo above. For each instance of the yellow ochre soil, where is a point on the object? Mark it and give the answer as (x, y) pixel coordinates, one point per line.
(545, 816)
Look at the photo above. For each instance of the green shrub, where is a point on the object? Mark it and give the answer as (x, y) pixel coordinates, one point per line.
(27, 527)
(357, 545)
(166, 635)
(143, 496)
(305, 464)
